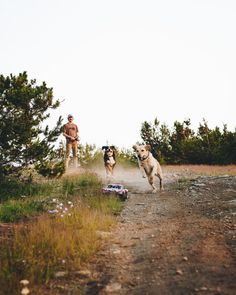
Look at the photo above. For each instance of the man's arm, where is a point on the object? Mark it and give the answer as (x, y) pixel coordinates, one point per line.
(77, 133)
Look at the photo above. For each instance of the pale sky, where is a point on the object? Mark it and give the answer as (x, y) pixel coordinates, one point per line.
(117, 63)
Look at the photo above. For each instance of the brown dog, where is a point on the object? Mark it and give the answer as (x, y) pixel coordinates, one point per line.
(109, 159)
(148, 165)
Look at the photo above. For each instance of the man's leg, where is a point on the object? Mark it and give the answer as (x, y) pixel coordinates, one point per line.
(75, 151)
(68, 150)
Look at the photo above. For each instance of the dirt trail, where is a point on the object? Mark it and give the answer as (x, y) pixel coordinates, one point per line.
(179, 241)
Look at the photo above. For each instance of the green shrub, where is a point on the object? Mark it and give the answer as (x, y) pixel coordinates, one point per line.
(14, 210)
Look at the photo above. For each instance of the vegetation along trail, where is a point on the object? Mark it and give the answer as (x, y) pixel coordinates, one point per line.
(179, 241)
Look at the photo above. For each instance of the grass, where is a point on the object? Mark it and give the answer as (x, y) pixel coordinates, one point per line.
(61, 241)
(15, 210)
(48, 245)
(83, 184)
(13, 189)
(106, 205)
(67, 185)
(31, 199)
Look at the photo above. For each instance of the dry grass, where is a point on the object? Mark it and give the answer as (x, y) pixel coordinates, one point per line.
(71, 239)
(208, 170)
(51, 244)
(63, 239)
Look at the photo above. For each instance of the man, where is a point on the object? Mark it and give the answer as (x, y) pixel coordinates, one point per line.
(70, 132)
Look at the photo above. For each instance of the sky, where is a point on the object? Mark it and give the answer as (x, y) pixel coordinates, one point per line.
(117, 63)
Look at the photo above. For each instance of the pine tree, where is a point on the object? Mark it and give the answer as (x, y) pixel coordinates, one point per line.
(24, 107)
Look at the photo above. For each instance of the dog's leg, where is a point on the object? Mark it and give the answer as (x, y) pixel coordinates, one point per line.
(111, 172)
(141, 168)
(107, 172)
(151, 181)
(159, 175)
(161, 184)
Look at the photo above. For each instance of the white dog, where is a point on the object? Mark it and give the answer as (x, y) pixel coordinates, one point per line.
(148, 165)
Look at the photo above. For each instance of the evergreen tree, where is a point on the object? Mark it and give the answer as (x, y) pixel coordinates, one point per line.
(180, 139)
(150, 133)
(228, 146)
(182, 146)
(158, 137)
(24, 107)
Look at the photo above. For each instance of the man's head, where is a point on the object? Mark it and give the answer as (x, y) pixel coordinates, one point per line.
(70, 118)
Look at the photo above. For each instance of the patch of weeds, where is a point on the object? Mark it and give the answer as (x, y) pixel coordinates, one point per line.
(15, 210)
(106, 204)
(13, 189)
(84, 183)
(69, 185)
(51, 244)
(62, 240)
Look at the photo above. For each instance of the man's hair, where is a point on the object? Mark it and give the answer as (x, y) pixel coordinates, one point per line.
(69, 116)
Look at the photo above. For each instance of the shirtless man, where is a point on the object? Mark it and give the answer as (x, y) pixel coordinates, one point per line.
(70, 131)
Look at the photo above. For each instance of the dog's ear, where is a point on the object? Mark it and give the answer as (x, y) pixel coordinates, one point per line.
(135, 147)
(113, 147)
(148, 147)
(104, 147)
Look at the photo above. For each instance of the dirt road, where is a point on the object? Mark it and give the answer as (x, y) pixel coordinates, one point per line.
(179, 241)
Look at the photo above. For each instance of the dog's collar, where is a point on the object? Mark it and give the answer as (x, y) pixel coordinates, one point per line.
(146, 157)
